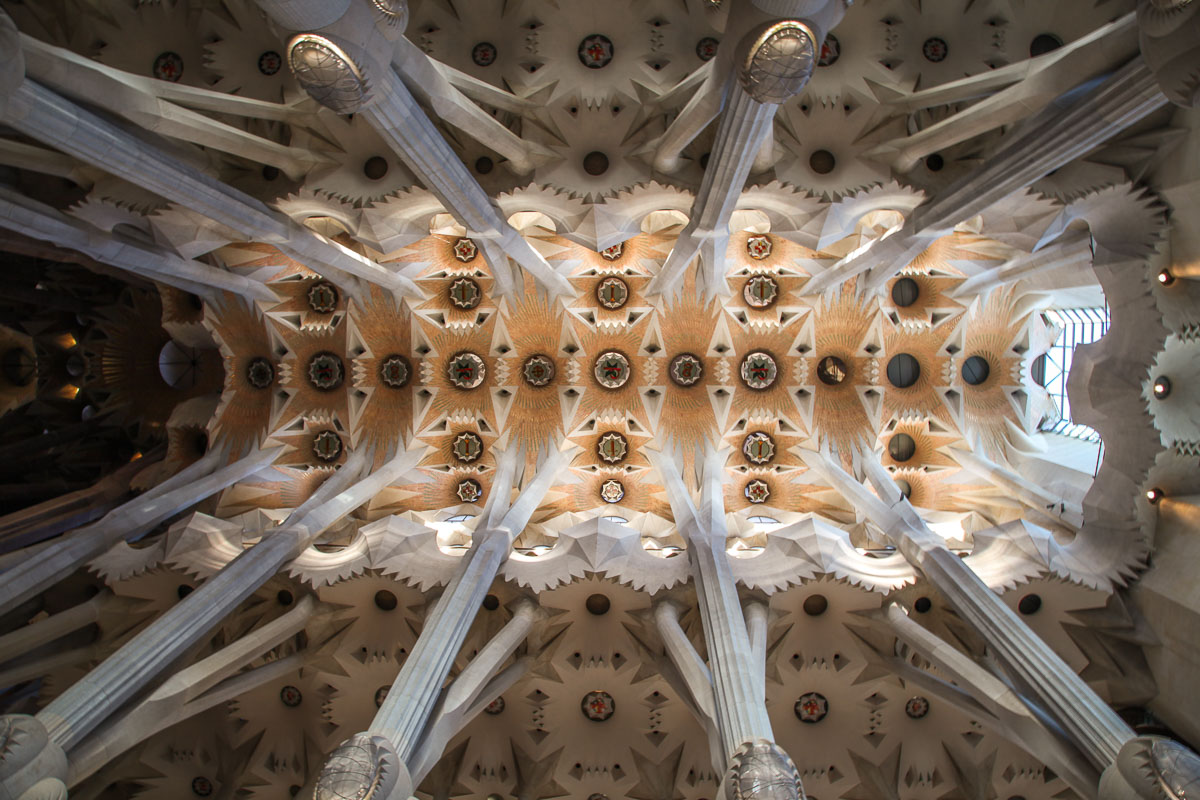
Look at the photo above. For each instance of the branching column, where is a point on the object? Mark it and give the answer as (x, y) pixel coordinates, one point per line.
(1040, 672)
(404, 715)
(189, 486)
(91, 700)
(1057, 136)
(741, 711)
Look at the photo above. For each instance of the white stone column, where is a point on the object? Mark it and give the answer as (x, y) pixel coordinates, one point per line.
(46, 116)
(1056, 136)
(1039, 672)
(738, 699)
(402, 719)
(28, 217)
(91, 700)
(193, 483)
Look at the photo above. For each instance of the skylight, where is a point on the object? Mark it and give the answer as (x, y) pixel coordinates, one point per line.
(1079, 326)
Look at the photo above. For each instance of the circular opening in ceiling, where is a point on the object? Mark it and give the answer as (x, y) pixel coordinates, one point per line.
(1044, 43)
(18, 366)
(1029, 604)
(905, 292)
(183, 590)
(815, 605)
(270, 173)
(595, 163)
(832, 370)
(483, 165)
(822, 162)
(375, 167)
(284, 597)
(598, 604)
(1162, 387)
(904, 486)
(902, 447)
(922, 605)
(385, 600)
(934, 162)
(975, 370)
(903, 371)
(491, 602)
(1038, 370)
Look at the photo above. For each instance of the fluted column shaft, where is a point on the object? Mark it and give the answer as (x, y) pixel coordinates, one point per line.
(1055, 137)
(405, 712)
(76, 712)
(48, 117)
(740, 706)
(189, 486)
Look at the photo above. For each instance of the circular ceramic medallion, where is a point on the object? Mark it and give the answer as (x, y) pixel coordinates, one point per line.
(322, 297)
(759, 370)
(327, 445)
(612, 492)
(395, 371)
(613, 253)
(467, 447)
(469, 491)
(612, 370)
(831, 51)
(759, 447)
(612, 293)
(290, 696)
(202, 787)
(916, 707)
(706, 48)
(465, 293)
(483, 54)
(381, 694)
(760, 291)
(596, 51)
(935, 49)
(686, 369)
(757, 491)
(259, 373)
(811, 707)
(758, 247)
(613, 447)
(325, 371)
(270, 63)
(598, 706)
(495, 707)
(168, 66)
(466, 370)
(465, 250)
(538, 370)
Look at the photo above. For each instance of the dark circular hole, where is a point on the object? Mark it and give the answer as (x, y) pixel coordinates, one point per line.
(1029, 604)
(595, 163)
(822, 162)
(922, 605)
(1165, 277)
(375, 167)
(598, 604)
(184, 590)
(905, 292)
(1162, 387)
(904, 486)
(200, 442)
(195, 302)
(903, 371)
(483, 165)
(975, 370)
(704, 160)
(293, 790)
(270, 173)
(832, 370)
(902, 447)
(385, 600)
(18, 366)
(1044, 43)
(491, 602)
(934, 162)
(76, 365)
(815, 605)
(284, 597)
(1038, 370)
